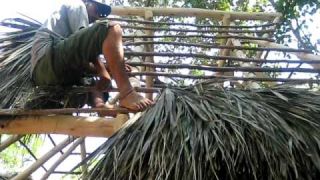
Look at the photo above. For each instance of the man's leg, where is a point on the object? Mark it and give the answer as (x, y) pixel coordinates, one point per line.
(113, 51)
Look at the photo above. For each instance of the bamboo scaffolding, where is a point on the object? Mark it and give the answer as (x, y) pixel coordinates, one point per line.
(315, 60)
(10, 140)
(59, 124)
(303, 56)
(31, 153)
(192, 24)
(216, 46)
(53, 143)
(149, 48)
(226, 69)
(62, 158)
(200, 36)
(196, 31)
(224, 77)
(27, 172)
(83, 153)
(195, 12)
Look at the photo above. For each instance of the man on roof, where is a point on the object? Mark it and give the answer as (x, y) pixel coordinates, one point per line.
(63, 61)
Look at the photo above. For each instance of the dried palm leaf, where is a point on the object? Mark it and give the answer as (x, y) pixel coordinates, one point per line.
(15, 82)
(206, 132)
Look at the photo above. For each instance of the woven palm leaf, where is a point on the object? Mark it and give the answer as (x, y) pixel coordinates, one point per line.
(206, 132)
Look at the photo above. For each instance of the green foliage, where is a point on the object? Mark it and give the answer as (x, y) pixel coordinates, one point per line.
(14, 157)
(294, 12)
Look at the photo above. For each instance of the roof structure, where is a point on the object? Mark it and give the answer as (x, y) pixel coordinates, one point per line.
(234, 49)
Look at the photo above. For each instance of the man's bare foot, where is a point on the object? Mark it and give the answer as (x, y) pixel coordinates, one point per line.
(134, 101)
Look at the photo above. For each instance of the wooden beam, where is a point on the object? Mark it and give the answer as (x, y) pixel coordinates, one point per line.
(195, 12)
(70, 125)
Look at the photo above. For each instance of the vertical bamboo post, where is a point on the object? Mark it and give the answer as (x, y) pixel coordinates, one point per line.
(27, 172)
(10, 140)
(241, 54)
(267, 35)
(225, 22)
(83, 151)
(149, 48)
(62, 158)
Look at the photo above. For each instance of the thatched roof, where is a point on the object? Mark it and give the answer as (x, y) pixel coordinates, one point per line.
(206, 132)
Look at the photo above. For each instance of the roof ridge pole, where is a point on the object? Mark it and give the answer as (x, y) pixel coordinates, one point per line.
(149, 48)
(62, 158)
(27, 172)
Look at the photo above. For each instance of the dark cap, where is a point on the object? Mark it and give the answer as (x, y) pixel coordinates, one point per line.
(103, 9)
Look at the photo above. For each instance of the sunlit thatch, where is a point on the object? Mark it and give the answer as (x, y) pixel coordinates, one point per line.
(206, 132)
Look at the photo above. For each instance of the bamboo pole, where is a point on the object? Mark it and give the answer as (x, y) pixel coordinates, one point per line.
(226, 69)
(62, 158)
(27, 172)
(191, 24)
(31, 153)
(315, 58)
(239, 53)
(149, 48)
(225, 77)
(301, 55)
(195, 12)
(196, 31)
(53, 143)
(59, 124)
(84, 167)
(10, 140)
(12, 112)
(235, 47)
(215, 37)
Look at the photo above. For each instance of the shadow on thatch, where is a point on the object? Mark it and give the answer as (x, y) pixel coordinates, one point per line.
(206, 132)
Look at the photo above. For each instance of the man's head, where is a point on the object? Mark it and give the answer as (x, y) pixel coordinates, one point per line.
(96, 9)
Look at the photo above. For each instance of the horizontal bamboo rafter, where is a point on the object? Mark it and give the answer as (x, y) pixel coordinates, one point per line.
(217, 46)
(192, 24)
(195, 12)
(197, 31)
(225, 78)
(226, 69)
(200, 36)
(230, 58)
(60, 124)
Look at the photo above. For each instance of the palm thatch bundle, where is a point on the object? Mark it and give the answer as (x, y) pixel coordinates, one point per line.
(15, 47)
(207, 132)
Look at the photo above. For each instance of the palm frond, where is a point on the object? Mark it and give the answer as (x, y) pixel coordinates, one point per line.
(15, 47)
(206, 132)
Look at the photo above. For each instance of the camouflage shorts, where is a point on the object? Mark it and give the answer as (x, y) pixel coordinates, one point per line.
(68, 59)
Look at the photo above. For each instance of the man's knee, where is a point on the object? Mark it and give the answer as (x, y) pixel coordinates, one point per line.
(115, 30)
